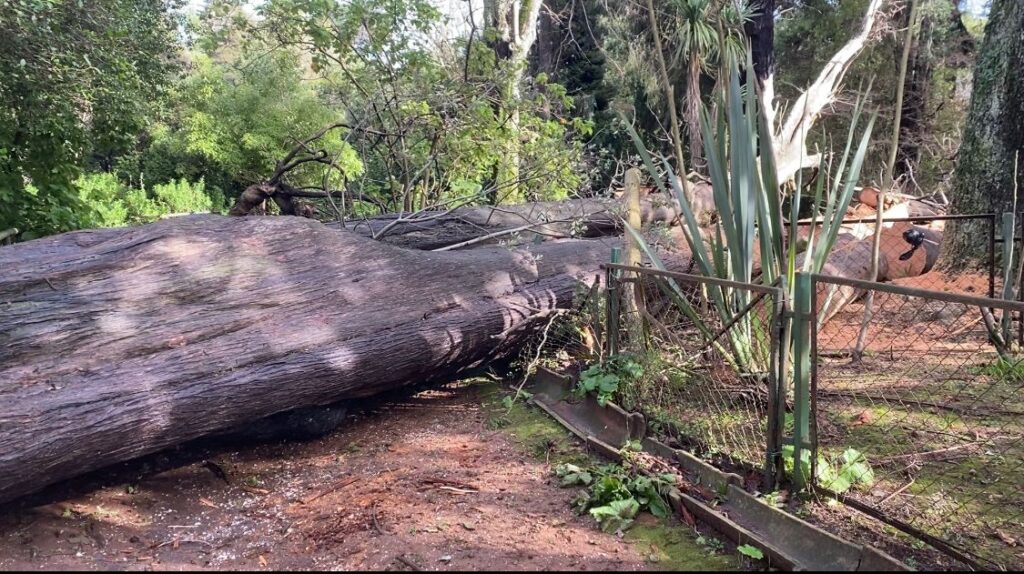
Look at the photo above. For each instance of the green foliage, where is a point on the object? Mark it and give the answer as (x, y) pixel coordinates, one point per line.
(603, 379)
(183, 197)
(848, 470)
(105, 194)
(110, 203)
(231, 121)
(696, 27)
(439, 121)
(615, 496)
(713, 544)
(814, 30)
(750, 551)
(747, 197)
(690, 38)
(1005, 368)
(617, 515)
(77, 79)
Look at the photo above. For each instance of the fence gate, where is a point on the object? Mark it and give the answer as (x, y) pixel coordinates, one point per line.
(693, 389)
(926, 430)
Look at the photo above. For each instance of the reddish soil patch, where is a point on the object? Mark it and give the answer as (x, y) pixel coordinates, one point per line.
(974, 284)
(417, 484)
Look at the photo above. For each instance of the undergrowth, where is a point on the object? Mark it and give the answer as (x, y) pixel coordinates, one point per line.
(614, 494)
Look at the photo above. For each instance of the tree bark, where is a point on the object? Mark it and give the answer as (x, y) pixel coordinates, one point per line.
(513, 26)
(760, 29)
(116, 343)
(558, 219)
(993, 134)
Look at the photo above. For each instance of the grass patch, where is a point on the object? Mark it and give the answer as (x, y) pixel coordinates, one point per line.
(674, 549)
(536, 432)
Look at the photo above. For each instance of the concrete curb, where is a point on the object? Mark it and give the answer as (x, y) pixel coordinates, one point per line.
(788, 542)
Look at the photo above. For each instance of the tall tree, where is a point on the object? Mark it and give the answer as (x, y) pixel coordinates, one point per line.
(942, 49)
(760, 30)
(791, 133)
(993, 135)
(511, 29)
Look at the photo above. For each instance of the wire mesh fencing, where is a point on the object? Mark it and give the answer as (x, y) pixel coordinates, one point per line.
(710, 355)
(925, 427)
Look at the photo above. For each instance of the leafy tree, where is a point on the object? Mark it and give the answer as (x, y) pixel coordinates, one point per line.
(76, 80)
(694, 33)
(702, 29)
(421, 109)
(935, 105)
(235, 120)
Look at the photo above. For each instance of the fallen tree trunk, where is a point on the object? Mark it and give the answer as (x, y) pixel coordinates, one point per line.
(897, 260)
(592, 217)
(115, 343)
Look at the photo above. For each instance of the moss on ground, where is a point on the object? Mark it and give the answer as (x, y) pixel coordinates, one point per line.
(675, 549)
(538, 434)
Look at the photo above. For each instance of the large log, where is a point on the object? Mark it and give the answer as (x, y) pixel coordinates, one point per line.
(590, 217)
(120, 342)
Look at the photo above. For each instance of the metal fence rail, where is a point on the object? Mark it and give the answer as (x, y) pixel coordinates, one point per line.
(692, 389)
(909, 245)
(912, 413)
(926, 431)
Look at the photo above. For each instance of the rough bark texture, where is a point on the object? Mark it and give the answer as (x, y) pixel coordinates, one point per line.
(851, 258)
(944, 41)
(120, 342)
(994, 132)
(760, 29)
(544, 219)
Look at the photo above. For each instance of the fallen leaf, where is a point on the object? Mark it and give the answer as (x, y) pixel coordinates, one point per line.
(1006, 538)
(263, 561)
(687, 517)
(864, 418)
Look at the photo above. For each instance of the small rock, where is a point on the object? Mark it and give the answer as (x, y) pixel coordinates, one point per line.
(445, 558)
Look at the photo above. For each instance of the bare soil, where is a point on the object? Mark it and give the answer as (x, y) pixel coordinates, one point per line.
(423, 483)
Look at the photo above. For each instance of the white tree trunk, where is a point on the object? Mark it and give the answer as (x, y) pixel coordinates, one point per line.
(790, 138)
(519, 34)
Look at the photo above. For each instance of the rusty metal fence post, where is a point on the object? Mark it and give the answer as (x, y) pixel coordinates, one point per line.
(612, 303)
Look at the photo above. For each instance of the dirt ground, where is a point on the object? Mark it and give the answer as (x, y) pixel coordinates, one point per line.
(427, 482)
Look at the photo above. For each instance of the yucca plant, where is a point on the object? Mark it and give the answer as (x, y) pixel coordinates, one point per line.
(747, 197)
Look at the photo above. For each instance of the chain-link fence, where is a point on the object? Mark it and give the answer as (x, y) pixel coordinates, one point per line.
(710, 353)
(925, 428)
